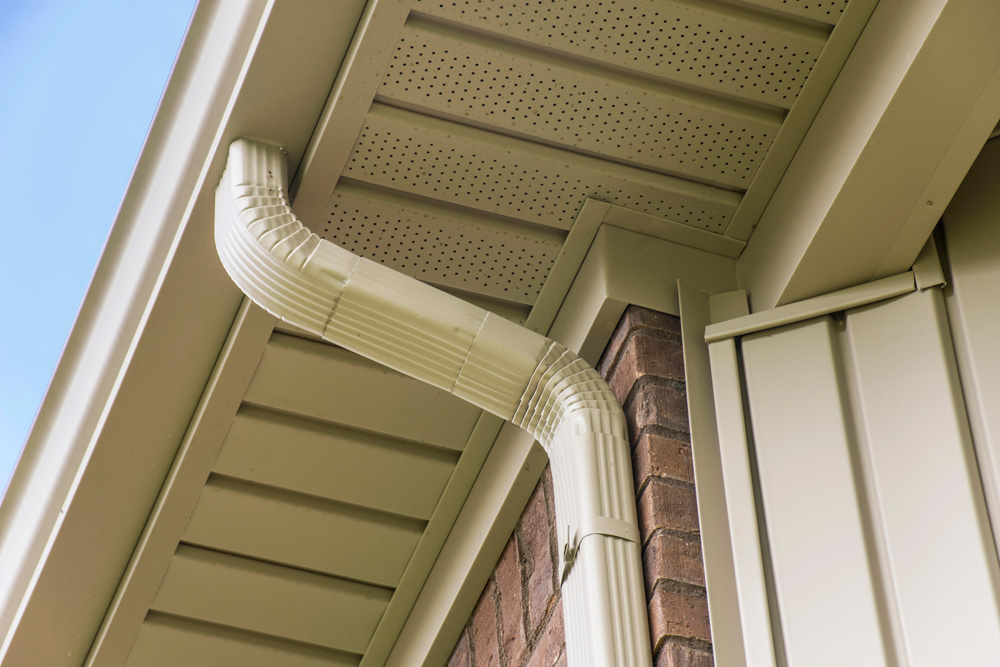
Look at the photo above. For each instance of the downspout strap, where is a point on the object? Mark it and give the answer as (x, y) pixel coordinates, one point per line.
(595, 525)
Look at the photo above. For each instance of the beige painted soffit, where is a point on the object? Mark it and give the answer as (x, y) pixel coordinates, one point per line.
(885, 154)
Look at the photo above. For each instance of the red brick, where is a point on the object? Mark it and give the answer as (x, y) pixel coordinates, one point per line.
(655, 404)
(674, 614)
(659, 456)
(551, 644)
(677, 655)
(667, 505)
(460, 654)
(646, 355)
(535, 540)
(645, 360)
(672, 557)
(634, 318)
(483, 630)
(508, 582)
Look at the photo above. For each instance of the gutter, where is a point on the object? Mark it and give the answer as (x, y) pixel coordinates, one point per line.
(497, 365)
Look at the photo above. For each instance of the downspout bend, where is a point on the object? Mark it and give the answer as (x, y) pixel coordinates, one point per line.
(485, 359)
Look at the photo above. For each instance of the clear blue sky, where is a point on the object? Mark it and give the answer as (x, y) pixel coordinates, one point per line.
(79, 83)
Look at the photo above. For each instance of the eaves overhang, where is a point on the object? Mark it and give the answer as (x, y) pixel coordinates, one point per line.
(155, 317)
(142, 375)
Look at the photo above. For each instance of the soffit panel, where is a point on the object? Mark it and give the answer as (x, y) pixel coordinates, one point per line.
(304, 532)
(168, 641)
(255, 596)
(562, 102)
(523, 112)
(482, 170)
(490, 256)
(711, 46)
(334, 462)
(310, 516)
(827, 11)
(328, 383)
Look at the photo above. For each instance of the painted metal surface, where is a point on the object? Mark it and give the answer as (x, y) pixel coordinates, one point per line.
(680, 110)
(714, 47)
(319, 504)
(261, 597)
(166, 641)
(297, 530)
(299, 376)
(335, 462)
(491, 256)
(713, 513)
(875, 537)
(859, 160)
(155, 319)
(921, 466)
(810, 500)
(479, 169)
(973, 253)
(507, 370)
(749, 564)
(804, 310)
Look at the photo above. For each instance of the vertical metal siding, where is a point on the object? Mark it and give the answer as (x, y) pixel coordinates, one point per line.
(876, 547)
(811, 500)
(973, 248)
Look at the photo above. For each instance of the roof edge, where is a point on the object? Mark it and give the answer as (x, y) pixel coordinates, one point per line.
(155, 317)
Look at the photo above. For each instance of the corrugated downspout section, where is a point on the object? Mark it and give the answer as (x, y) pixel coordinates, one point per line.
(495, 364)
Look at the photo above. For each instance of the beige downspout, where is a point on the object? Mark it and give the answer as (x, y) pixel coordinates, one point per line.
(499, 366)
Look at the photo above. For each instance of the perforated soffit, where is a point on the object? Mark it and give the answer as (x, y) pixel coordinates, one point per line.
(495, 121)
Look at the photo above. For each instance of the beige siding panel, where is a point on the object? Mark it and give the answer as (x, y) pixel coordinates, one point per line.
(922, 466)
(271, 599)
(303, 532)
(813, 511)
(333, 384)
(337, 463)
(168, 641)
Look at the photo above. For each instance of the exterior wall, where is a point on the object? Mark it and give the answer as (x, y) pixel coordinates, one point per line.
(518, 619)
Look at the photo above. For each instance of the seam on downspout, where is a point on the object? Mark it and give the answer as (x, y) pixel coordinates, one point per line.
(483, 358)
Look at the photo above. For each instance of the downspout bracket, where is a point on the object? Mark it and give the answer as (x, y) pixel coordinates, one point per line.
(597, 525)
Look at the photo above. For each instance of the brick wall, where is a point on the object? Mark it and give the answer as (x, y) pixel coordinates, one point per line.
(518, 619)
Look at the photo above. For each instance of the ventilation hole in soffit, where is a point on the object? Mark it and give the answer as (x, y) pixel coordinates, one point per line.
(508, 266)
(666, 39)
(574, 109)
(827, 7)
(516, 185)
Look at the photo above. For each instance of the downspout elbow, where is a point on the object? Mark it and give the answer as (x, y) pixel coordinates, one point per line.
(485, 359)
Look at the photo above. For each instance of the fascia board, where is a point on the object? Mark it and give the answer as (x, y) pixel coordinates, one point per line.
(907, 116)
(154, 320)
(621, 267)
(183, 486)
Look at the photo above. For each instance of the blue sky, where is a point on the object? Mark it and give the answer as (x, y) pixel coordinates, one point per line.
(79, 83)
